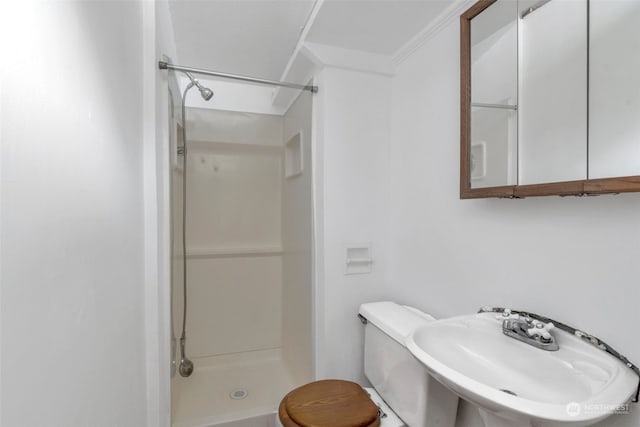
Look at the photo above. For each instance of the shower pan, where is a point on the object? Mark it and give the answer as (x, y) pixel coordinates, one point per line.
(242, 275)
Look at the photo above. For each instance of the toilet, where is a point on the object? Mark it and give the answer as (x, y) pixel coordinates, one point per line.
(403, 393)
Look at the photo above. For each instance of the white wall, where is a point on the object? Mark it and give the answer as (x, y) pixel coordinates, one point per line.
(158, 130)
(72, 311)
(351, 184)
(297, 229)
(573, 259)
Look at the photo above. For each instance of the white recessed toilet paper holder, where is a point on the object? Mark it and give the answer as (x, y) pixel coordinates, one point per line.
(358, 259)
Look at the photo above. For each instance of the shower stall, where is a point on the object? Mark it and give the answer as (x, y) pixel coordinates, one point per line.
(241, 201)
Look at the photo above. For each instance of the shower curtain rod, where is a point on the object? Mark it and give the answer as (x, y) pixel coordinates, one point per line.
(166, 66)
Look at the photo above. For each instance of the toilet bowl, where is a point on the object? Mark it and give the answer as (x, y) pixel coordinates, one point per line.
(406, 395)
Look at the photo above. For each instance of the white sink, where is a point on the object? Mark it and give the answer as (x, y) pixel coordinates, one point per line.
(515, 384)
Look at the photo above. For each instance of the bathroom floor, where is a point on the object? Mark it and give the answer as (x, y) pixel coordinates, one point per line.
(233, 387)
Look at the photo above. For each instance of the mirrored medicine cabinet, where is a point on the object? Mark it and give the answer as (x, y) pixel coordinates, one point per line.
(550, 98)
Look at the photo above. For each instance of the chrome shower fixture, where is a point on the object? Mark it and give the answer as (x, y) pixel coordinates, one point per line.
(185, 368)
(205, 92)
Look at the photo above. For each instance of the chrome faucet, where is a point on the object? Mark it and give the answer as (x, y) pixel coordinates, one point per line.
(528, 330)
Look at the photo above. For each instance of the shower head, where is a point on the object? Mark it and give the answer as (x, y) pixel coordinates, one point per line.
(205, 92)
(185, 367)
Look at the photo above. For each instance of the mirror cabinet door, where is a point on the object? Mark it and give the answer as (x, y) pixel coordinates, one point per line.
(550, 94)
(614, 88)
(553, 91)
(494, 96)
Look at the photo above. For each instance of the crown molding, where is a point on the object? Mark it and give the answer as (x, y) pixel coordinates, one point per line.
(445, 18)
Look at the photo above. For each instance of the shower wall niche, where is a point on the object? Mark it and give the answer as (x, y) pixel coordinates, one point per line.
(249, 263)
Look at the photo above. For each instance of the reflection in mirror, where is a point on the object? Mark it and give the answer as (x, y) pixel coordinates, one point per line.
(494, 95)
(614, 88)
(494, 54)
(553, 92)
(493, 147)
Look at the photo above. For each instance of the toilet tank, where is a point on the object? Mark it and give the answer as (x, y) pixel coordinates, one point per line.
(400, 379)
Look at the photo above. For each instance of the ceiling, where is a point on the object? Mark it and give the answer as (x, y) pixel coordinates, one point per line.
(258, 37)
(373, 26)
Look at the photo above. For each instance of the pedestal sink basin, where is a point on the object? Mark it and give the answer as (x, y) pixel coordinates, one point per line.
(515, 384)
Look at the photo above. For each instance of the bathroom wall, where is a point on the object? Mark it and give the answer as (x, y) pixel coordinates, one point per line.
(351, 185)
(72, 250)
(573, 259)
(234, 244)
(160, 134)
(297, 229)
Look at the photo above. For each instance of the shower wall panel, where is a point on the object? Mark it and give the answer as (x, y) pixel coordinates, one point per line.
(297, 232)
(234, 243)
(234, 304)
(233, 197)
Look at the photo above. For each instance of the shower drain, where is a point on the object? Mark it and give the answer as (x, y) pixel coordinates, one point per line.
(239, 394)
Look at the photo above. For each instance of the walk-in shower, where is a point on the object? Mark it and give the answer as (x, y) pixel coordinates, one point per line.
(241, 200)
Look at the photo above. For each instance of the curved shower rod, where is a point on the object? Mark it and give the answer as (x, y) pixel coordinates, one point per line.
(166, 66)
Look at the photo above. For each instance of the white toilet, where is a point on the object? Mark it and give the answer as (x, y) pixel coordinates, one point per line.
(402, 388)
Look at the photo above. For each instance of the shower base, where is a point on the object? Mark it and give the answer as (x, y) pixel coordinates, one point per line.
(236, 390)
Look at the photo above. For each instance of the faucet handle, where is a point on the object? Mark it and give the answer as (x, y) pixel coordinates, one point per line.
(506, 314)
(541, 330)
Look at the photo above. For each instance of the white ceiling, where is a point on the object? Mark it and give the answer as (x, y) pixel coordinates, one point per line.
(258, 37)
(254, 38)
(375, 26)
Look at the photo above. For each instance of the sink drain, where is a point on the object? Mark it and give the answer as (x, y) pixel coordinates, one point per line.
(504, 390)
(239, 394)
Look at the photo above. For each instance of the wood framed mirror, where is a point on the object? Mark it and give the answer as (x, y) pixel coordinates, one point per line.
(550, 98)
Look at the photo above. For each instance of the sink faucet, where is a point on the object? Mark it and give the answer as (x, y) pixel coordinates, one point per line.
(529, 331)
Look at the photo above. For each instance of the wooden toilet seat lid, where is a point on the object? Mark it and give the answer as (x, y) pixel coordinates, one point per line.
(330, 403)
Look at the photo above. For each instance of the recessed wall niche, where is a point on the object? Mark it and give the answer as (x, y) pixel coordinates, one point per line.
(293, 156)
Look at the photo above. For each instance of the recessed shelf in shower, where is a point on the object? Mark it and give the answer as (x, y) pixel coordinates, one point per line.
(293, 156)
